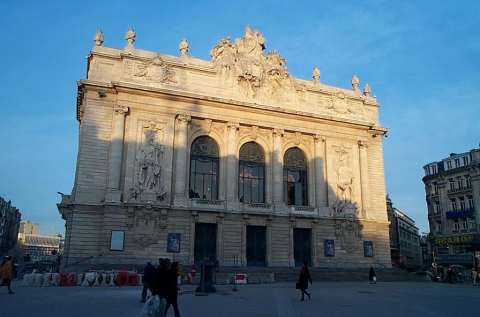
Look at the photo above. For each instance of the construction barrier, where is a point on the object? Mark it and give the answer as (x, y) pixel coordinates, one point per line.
(87, 279)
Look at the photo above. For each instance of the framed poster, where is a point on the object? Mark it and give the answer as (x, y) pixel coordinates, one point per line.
(328, 247)
(117, 239)
(173, 242)
(368, 249)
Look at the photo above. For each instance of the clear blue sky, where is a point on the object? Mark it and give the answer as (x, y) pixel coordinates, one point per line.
(421, 58)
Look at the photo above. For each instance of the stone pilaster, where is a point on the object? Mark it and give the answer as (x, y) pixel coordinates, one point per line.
(475, 181)
(232, 166)
(321, 194)
(277, 169)
(180, 147)
(362, 148)
(116, 154)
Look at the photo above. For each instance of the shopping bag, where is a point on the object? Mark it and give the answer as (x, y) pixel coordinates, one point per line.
(153, 307)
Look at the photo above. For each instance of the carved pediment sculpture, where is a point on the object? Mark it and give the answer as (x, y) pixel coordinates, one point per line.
(256, 74)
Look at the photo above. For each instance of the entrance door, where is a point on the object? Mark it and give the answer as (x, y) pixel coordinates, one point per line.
(302, 246)
(205, 242)
(256, 245)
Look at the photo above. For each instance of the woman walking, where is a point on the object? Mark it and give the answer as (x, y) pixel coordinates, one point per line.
(171, 294)
(6, 273)
(303, 280)
(372, 276)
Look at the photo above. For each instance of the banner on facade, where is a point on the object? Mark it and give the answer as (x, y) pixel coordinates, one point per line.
(445, 241)
(329, 248)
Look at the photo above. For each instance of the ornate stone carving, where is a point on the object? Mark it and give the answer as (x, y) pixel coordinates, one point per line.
(150, 157)
(155, 70)
(145, 226)
(183, 47)
(366, 90)
(339, 104)
(316, 75)
(355, 83)
(130, 38)
(344, 203)
(98, 39)
(257, 75)
(348, 233)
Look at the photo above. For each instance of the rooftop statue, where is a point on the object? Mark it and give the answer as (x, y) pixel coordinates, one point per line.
(183, 47)
(366, 91)
(98, 39)
(316, 75)
(130, 37)
(355, 83)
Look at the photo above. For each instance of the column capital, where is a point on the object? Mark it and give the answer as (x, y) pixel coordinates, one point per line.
(319, 138)
(233, 125)
(279, 132)
(362, 143)
(121, 109)
(183, 118)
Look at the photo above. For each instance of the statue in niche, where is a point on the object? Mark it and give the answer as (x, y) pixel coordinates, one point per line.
(150, 159)
(344, 203)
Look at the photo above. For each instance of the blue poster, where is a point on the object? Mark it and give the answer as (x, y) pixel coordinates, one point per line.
(368, 249)
(173, 242)
(329, 247)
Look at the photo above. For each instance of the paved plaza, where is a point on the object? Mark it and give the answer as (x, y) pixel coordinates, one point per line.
(328, 299)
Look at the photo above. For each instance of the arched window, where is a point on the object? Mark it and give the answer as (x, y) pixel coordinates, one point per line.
(204, 169)
(295, 177)
(251, 174)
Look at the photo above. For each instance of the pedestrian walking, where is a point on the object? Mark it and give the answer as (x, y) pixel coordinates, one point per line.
(148, 280)
(172, 289)
(372, 276)
(6, 273)
(474, 276)
(303, 280)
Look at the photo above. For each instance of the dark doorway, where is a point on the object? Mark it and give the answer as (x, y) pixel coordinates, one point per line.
(205, 242)
(256, 245)
(302, 246)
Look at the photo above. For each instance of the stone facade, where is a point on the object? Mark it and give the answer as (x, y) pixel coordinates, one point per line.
(9, 225)
(140, 115)
(452, 188)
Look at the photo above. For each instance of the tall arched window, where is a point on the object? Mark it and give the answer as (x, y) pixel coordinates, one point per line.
(251, 174)
(204, 169)
(295, 177)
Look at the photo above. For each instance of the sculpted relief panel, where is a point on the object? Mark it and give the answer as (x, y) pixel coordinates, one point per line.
(153, 71)
(149, 163)
(343, 182)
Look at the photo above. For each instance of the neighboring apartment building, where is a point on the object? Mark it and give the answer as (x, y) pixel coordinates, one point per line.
(36, 246)
(9, 225)
(230, 159)
(404, 239)
(452, 188)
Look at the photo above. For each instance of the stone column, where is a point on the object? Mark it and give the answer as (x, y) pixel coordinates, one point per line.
(114, 193)
(362, 147)
(277, 169)
(232, 166)
(180, 147)
(321, 196)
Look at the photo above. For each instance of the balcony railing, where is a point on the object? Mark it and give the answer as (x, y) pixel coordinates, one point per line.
(455, 214)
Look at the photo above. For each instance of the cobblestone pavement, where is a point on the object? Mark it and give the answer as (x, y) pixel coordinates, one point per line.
(282, 300)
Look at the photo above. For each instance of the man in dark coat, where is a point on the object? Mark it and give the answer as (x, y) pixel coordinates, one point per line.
(303, 280)
(172, 289)
(148, 280)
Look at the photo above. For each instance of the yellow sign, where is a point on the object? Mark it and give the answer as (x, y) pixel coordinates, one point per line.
(445, 241)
